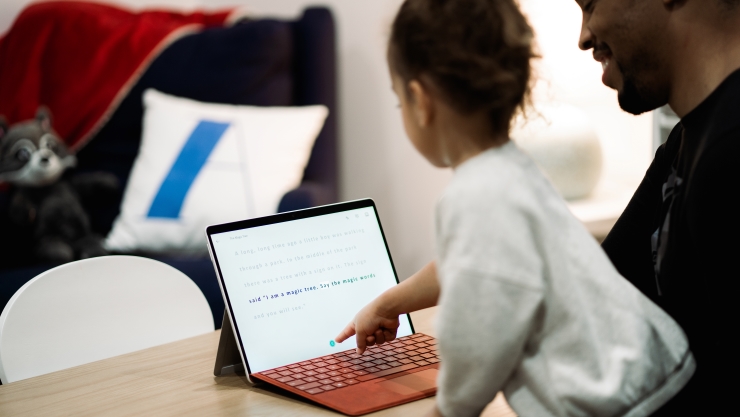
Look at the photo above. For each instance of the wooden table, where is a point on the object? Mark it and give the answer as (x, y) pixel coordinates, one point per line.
(176, 379)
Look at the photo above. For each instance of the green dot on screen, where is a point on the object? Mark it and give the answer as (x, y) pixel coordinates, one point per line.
(332, 343)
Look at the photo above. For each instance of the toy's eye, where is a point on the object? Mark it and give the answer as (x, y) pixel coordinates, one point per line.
(23, 155)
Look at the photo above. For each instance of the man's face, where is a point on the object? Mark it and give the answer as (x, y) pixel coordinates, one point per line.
(629, 38)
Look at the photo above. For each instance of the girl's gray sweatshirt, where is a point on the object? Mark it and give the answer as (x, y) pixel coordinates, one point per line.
(531, 305)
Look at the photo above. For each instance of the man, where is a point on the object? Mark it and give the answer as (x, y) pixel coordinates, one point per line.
(677, 241)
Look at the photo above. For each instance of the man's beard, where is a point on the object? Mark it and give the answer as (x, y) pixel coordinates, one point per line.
(636, 97)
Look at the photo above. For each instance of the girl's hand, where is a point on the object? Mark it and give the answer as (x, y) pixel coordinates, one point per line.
(372, 325)
(378, 322)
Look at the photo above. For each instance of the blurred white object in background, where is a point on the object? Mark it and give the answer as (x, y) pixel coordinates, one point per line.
(562, 141)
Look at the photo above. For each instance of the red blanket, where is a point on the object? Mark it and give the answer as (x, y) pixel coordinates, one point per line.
(80, 60)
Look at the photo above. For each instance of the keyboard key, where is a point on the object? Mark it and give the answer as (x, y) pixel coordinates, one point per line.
(337, 378)
(298, 375)
(309, 367)
(427, 355)
(295, 365)
(360, 372)
(313, 391)
(310, 379)
(333, 373)
(328, 387)
(422, 350)
(422, 363)
(285, 373)
(383, 367)
(332, 361)
(351, 382)
(416, 358)
(433, 360)
(310, 373)
(304, 363)
(295, 382)
(345, 370)
(392, 364)
(306, 387)
(284, 379)
(372, 369)
(326, 381)
(284, 368)
(405, 361)
(356, 367)
(339, 384)
(387, 372)
(332, 367)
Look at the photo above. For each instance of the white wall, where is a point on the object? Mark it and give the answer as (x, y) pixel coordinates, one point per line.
(376, 159)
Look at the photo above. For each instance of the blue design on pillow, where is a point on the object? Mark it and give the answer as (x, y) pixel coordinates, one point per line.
(193, 155)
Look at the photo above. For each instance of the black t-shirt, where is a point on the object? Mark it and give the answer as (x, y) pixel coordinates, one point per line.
(698, 246)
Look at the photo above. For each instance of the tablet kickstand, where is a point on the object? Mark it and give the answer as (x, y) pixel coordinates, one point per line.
(228, 360)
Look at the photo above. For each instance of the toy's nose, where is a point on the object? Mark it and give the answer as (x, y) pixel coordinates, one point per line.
(44, 157)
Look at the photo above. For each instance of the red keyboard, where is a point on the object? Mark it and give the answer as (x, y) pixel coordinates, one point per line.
(347, 368)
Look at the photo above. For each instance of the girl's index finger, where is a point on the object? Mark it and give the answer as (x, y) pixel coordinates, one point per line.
(346, 333)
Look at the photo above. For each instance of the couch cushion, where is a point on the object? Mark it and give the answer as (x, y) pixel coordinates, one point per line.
(207, 163)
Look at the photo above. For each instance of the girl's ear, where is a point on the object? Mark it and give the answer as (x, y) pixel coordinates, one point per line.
(421, 103)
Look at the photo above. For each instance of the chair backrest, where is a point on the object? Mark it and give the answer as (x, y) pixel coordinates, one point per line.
(94, 309)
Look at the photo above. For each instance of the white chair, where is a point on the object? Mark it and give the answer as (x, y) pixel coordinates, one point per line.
(94, 309)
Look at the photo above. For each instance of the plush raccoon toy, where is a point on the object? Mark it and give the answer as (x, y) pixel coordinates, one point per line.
(44, 209)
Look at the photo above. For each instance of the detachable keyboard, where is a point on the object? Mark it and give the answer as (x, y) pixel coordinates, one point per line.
(347, 368)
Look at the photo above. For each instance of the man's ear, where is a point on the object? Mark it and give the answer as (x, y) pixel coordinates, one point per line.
(3, 126)
(421, 103)
(43, 115)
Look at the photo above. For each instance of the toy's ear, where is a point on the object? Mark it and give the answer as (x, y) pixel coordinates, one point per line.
(3, 126)
(43, 115)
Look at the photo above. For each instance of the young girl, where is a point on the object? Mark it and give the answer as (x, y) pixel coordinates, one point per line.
(528, 302)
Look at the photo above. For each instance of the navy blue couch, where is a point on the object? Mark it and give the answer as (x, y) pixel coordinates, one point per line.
(255, 62)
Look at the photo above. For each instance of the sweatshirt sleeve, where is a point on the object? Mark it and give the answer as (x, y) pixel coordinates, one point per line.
(483, 327)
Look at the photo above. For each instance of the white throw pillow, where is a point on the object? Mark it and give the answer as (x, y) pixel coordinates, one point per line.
(204, 163)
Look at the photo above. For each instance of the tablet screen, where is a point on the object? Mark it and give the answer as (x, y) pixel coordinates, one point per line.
(294, 285)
